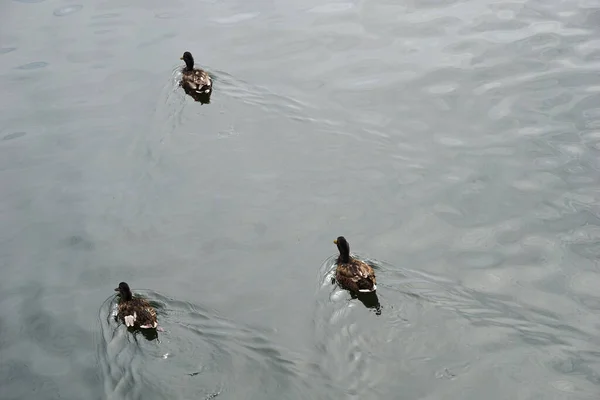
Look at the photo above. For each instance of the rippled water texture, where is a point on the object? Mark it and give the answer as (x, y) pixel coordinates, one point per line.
(197, 354)
(453, 143)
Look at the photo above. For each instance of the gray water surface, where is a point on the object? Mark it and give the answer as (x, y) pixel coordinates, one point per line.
(455, 144)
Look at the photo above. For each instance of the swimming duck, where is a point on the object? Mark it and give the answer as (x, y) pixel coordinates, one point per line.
(352, 274)
(135, 312)
(194, 80)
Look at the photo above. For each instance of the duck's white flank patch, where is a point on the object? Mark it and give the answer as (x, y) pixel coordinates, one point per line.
(130, 319)
(148, 326)
(367, 290)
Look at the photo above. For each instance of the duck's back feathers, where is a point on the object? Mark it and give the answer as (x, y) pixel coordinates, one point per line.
(356, 276)
(137, 313)
(196, 80)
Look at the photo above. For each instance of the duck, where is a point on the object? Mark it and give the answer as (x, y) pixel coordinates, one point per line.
(135, 312)
(351, 274)
(194, 80)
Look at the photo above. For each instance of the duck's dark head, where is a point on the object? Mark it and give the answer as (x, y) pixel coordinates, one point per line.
(189, 60)
(124, 291)
(343, 247)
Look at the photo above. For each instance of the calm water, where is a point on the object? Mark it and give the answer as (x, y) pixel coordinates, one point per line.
(456, 144)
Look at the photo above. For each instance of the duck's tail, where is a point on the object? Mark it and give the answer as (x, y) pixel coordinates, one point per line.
(365, 285)
(205, 89)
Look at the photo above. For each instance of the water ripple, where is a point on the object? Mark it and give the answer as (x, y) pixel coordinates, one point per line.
(67, 10)
(459, 138)
(33, 65)
(199, 354)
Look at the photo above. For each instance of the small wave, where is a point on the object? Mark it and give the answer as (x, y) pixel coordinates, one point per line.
(199, 355)
(360, 351)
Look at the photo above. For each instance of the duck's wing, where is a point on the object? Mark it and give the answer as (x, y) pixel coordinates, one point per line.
(138, 312)
(196, 82)
(357, 276)
(197, 77)
(366, 271)
(201, 78)
(345, 278)
(127, 313)
(146, 314)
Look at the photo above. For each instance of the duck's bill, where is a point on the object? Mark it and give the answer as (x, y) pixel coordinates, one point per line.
(368, 290)
(335, 241)
(116, 289)
(181, 58)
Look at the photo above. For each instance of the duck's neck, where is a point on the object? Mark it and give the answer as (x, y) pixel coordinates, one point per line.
(127, 296)
(189, 64)
(344, 256)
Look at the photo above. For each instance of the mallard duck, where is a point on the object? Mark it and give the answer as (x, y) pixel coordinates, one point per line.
(135, 312)
(352, 274)
(194, 80)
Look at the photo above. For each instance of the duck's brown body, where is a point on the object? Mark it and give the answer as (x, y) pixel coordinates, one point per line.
(356, 276)
(135, 312)
(352, 274)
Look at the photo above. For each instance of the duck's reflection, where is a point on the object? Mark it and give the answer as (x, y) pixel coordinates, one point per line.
(370, 300)
(148, 334)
